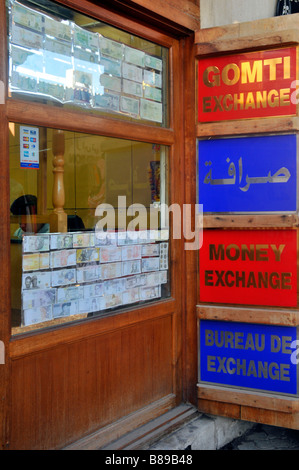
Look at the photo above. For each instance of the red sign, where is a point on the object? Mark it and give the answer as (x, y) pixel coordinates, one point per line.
(248, 85)
(256, 267)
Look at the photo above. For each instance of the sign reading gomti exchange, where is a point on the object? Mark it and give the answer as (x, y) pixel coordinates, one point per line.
(247, 85)
(253, 267)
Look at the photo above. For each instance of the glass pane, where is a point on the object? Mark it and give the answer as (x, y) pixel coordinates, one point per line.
(87, 231)
(60, 57)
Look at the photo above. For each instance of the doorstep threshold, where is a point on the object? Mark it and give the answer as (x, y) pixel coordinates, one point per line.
(144, 436)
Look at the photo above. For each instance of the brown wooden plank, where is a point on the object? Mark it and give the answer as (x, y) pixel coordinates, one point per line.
(5, 239)
(250, 221)
(50, 116)
(248, 126)
(250, 398)
(248, 315)
(219, 409)
(273, 418)
(49, 338)
(189, 290)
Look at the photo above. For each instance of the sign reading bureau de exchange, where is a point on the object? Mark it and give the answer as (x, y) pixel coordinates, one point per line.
(248, 174)
(253, 267)
(247, 85)
(248, 355)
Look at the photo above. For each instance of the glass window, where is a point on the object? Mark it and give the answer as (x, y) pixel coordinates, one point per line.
(88, 233)
(66, 59)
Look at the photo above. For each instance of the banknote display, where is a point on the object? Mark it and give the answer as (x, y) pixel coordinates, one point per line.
(89, 272)
(69, 63)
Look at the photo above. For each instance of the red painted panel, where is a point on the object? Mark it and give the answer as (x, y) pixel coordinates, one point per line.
(247, 85)
(254, 267)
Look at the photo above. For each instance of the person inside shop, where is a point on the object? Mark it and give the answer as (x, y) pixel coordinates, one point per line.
(25, 207)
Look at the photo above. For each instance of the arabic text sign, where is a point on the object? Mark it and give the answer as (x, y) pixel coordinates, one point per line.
(247, 355)
(249, 174)
(247, 85)
(254, 267)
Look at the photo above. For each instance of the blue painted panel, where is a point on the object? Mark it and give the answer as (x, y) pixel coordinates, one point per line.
(259, 357)
(248, 174)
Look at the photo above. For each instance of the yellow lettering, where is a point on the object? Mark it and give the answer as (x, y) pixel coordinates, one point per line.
(252, 75)
(272, 63)
(211, 76)
(236, 74)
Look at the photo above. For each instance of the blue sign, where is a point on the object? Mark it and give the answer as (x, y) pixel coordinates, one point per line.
(259, 357)
(248, 174)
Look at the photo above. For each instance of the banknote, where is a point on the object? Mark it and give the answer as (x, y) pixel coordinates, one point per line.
(111, 67)
(130, 252)
(134, 56)
(110, 254)
(131, 72)
(152, 249)
(57, 29)
(88, 274)
(88, 255)
(153, 62)
(25, 37)
(111, 270)
(68, 294)
(133, 88)
(63, 258)
(27, 17)
(35, 243)
(135, 281)
(150, 110)
(148, 293)
(129, 105)
(38, 298)
(83, 239)
(152, 93)
(85, 39)
(107, 100)
(114, 286)
(65, 309)
(111, 48)
(131, 267)
(163, 256)
(95, 289)
(37, 315)
(152, 279)
(153, 78)
(63, 277)
(61, 241)
(150, 264)
(113, 300)
(94, 304)
(130, 296)
(110, 82)
(36, 280)
(105, 238)
(30, 262)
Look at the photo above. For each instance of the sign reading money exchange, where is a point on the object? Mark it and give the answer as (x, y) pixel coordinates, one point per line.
(253, 267)
(259, 357)
(248, 174)
(247, 85)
